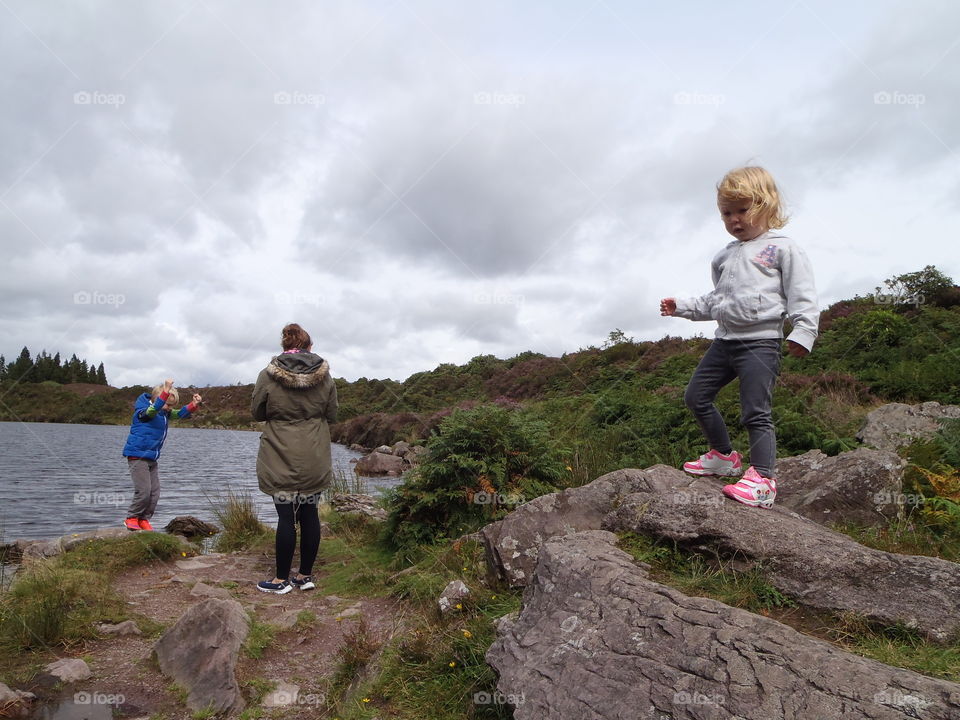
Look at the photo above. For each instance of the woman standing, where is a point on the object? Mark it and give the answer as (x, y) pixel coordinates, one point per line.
(297, 398)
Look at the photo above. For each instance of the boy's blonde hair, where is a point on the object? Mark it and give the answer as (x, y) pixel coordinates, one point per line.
(173, 396)
(757, 186)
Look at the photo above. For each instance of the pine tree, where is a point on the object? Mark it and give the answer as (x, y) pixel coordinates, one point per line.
(3, 368)
(101, 374)
(21, 369)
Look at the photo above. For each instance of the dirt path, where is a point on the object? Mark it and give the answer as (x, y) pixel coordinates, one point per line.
(304, 650)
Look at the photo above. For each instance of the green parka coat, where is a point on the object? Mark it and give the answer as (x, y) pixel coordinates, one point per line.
(297, 398)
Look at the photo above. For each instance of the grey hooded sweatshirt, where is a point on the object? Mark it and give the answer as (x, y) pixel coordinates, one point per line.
(297, 398)
(758, 284)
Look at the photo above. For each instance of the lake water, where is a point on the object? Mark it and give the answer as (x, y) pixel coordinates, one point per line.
(57, 479)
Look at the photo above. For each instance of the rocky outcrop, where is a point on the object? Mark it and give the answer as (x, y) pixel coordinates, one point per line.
(863, 487)
(598, 639)
(390, 460)
(894, 425)
(815, 566)
(200, 653)
(190, 526)
(356, 504)
(860, 487)
(512, 544)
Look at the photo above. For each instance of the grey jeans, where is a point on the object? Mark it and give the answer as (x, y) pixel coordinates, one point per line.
(146, 487)
(757, 364)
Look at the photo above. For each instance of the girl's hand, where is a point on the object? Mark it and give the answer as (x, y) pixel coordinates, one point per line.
(168, 385)
(668, 306)
(796, 349)
(197, 399)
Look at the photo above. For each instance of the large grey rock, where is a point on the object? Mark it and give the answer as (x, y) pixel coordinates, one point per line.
(512, 544)
(891, 426)
(598, 639)
(814, 565)
(357, 504)
(862, 487)
(200, 653)
(380, 463)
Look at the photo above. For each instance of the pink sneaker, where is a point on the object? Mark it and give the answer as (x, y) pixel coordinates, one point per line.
(753, 490)
(713, 463)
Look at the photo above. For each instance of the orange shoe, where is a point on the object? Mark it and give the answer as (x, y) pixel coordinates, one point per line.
(145, 524)
(132, 523)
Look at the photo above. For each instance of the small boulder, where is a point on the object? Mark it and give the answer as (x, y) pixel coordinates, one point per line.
(894, 425)
(200, 653)
(380, 463)
(385, 449)
(452, 595)
(189, 526)
(69, 670)
(358, 504)
(11, 700)
(127, 627)
(400, 448)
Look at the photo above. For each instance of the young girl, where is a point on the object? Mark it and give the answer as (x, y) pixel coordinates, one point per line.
(759, 279)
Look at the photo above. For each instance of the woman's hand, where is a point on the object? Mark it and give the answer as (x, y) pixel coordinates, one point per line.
(668, 306)
(167, 385)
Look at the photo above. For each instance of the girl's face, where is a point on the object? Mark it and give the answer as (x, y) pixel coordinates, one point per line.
(734, 215)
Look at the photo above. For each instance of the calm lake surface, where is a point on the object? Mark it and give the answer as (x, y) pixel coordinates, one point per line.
(57, 479)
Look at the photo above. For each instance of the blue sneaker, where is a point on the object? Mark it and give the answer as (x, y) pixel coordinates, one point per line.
(304, 583)
(280, 588)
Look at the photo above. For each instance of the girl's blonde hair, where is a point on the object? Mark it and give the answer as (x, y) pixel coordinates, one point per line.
(757, 186)
(173, 396)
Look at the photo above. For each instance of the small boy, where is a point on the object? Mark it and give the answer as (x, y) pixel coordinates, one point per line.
(760, 279)
(147, 433)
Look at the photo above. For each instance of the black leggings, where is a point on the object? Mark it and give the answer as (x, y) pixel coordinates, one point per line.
(302, 510)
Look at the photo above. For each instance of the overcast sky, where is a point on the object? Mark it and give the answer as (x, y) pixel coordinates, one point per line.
(420, 182)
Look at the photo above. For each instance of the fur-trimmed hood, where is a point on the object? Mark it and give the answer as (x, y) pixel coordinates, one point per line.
(298, 371)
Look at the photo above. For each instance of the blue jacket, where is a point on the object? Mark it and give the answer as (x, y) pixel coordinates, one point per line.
(148, 429)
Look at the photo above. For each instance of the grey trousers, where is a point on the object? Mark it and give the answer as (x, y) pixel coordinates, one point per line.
(146, 487)
(757, 364)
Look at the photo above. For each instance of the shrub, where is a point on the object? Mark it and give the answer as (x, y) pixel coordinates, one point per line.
(481, 463)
